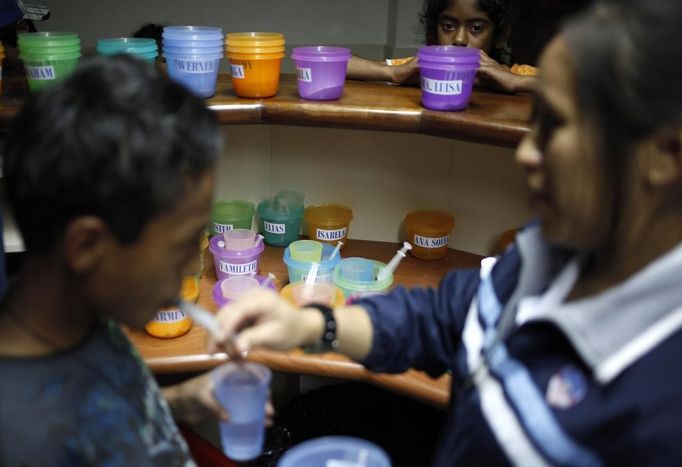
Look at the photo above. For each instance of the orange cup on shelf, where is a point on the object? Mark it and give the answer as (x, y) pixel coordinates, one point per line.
(329, 223)
(255, 61)
(429, 233)
(173, 322)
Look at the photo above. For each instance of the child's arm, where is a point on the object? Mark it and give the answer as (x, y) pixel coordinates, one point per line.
(368, 70)
(502, 77)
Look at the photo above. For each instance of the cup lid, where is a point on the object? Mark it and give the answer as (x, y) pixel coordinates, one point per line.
(254, 38)
(192, 51)
(321, 53)
(173, 42)
(449, 54)
(126, 44)
(195, 33)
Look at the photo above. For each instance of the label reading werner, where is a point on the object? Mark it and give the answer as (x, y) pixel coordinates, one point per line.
(304, 74)
(195, 66)
(319, 279)
(337, 234)
(40, 72)
(238, 269)
(237, 71)
(222, 228)
(274, 228)
(430, 242)
(443, 88)
(169, 316)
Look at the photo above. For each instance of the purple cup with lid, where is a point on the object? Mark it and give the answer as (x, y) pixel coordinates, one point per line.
(320, 71)
(234, 262)
(447, 75)
(220, 299)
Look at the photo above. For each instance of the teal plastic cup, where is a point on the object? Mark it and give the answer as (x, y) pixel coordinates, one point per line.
(143, 48)
(231, 214)
(353, 289)
(279, 225)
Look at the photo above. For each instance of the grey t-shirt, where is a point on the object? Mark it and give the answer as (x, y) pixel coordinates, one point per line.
(94, 404)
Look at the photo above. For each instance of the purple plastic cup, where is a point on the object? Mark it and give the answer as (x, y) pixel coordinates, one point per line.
(221, 300)
(447, 76)
(320, 71)
(234, 262)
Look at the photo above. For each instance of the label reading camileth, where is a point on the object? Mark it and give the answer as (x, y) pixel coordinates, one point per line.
(443, 88)
(337, 234)
(430, 242)
(195, 66)
(169, 316)
(319, 279)
(304, 74)
(237, 71)
(274, 228)
(222, 228)
(238, 269)
(40, 72)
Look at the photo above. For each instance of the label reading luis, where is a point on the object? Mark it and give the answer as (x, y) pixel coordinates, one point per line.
(430, 242)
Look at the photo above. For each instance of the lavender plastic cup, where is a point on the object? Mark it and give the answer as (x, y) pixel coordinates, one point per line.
(234, 262)
(447, 76)
(221, 300)
(320, 71)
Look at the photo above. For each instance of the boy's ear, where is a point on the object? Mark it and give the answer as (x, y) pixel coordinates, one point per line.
(665, 165)
(87, 242)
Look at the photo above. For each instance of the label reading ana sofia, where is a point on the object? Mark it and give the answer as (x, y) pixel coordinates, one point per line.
(337, 234)
(195, 66)
(169, 316)
(274, 228)
(304, 74)
(442, 88)
(40, 72)
(241, 269)
(430, 242)
(237, 71)
(222, 228)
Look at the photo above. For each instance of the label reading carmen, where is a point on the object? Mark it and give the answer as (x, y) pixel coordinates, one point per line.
(40, 72)
(337, 234)
(237, 71)
(275, 228)
(238, 269)
(429, 242)
(304, 74)
(222, 228)
(169, 316)
(443, 88)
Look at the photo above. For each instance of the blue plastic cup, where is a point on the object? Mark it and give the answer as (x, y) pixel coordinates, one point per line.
(198, 73)
(357, 269)
(242, 389)
(341, 451)
(298, 270)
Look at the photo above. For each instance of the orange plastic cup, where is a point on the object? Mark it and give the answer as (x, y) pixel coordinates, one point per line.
(329, 223)
(325, 293)
(429, 233)
(173, 322)
(255, 75)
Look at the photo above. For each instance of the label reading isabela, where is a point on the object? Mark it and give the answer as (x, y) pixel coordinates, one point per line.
(222, 228)
(274, 228)
(443, 88)
(430, 242)
(319, 279)
(40, 72)
(304, 74)
(195, 66)
(238, 269)
(237, 71)
(169, 316)
(337, 234)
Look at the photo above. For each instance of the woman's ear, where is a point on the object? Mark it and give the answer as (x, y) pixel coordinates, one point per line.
(87, 242)
(665, 163)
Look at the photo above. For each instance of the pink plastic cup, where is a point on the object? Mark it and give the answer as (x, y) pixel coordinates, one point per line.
(447, 76)
(320, 71)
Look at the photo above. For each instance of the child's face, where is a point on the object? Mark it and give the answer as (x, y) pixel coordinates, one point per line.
(462, 23)
(141, 277)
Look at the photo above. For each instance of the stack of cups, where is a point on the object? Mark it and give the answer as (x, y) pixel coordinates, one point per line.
(193, 56)
(255, 59)
(2, 57)
(48, 56)
(142, 48)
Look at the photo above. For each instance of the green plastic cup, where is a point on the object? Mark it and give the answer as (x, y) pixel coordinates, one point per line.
(231, 214)
(357, 288)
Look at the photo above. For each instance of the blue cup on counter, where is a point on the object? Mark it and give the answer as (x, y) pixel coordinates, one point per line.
(298, 270)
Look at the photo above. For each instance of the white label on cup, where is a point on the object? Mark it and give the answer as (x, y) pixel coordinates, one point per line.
(275, 228)
(342, 463)
(222, 228)
(337, 234)
(195, 66)
(169, 316)
(241, 269)
(430, 242)
(40, 72)
(319, 279)
(237, 71)
(443, 88)
(304, 74)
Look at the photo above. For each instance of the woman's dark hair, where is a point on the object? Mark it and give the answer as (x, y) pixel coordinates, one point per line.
(500, 12)
(116, 139)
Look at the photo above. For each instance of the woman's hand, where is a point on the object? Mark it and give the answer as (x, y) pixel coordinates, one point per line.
(500, 77)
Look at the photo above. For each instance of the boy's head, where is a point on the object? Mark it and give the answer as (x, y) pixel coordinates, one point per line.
(484, 24)
(109, 175)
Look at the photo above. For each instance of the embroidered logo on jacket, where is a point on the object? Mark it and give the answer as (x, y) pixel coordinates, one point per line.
(566, 388)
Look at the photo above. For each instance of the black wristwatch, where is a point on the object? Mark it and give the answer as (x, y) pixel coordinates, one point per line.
(328, 342)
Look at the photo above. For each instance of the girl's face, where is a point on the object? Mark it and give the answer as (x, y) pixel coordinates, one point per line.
(463, 23)
(567, 181)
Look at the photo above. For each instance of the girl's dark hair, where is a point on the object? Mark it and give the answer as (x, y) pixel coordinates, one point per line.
(500, 12)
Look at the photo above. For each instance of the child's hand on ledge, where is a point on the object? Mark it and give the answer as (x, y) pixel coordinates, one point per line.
(501, 77)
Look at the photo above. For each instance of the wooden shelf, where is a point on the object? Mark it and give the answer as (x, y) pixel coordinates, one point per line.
(492, 118)
(188, 352)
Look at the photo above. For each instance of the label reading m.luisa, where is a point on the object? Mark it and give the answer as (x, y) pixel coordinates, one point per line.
(431, 242)
(442, 88)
